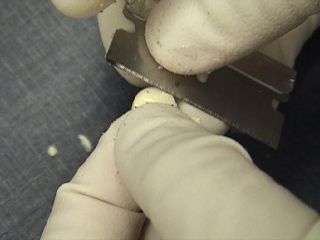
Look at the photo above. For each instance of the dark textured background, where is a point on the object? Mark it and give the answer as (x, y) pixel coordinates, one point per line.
(54, 85)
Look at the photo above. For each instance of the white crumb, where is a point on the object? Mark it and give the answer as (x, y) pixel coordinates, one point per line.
(153, 95)
(197, 120)
(85, 142)
(52, 151)
(203, 77)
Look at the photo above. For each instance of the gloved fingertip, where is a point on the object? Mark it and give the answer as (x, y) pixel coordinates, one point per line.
(171, 38)
(81, 8)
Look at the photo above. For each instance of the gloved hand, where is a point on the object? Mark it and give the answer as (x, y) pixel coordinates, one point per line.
(195, 37)
(190, 184)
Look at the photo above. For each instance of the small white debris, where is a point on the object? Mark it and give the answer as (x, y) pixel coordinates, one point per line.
(85, 142)
(203, 77)
(197, 120)
(275, 104)
(52, 151)
(153, 95)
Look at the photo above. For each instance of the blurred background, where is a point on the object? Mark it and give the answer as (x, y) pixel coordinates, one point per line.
(55, 85)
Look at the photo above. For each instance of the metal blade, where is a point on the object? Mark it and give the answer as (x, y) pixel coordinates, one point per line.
(241, 94)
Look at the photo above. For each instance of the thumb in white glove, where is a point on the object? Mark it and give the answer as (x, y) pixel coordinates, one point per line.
(195, 185)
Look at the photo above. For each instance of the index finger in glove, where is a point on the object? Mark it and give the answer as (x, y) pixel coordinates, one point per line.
(193, 37)
(195, 185)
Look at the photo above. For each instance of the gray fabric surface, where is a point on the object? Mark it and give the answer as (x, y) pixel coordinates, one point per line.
(55, 84)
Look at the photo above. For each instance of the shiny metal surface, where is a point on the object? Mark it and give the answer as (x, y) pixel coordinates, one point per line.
(241, 94)
(141, 8)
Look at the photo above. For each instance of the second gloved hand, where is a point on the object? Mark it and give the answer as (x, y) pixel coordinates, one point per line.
(193, 37)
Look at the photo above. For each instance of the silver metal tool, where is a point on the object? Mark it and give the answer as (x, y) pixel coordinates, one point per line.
(243, 94)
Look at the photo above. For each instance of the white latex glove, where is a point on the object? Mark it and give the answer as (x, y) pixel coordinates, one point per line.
(190, 183)
(195, 185)
(196, 37)
(236, 205)
(192, 37)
